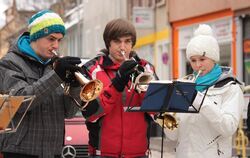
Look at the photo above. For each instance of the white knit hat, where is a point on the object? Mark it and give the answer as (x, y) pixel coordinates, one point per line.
(203, 43)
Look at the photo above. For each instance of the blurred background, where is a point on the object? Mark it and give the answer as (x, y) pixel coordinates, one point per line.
(164, 28)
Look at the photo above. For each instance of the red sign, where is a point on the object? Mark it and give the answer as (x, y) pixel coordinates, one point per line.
(246, 46)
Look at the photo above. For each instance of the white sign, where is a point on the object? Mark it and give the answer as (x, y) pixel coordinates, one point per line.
(223, 30)
(143, 17)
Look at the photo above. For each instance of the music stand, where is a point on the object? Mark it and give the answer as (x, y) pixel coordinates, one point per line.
(8, 108)
(168, 96)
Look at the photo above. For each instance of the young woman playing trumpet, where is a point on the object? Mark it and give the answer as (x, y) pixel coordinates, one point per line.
(208, 134)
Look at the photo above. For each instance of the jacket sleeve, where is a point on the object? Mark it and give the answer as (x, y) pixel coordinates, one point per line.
(71, 101)
(16, 82)
(224, 118)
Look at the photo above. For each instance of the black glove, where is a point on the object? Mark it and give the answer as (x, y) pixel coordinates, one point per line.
(123, 74)
(66, 66)
(134, 56)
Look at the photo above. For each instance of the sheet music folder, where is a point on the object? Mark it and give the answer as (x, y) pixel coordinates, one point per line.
(8, 108)
(168, 96)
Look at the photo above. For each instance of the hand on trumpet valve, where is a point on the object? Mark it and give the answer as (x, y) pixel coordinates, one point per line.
(65, 67)
(123, 74)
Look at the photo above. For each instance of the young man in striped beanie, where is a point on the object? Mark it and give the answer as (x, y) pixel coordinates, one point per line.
(27, 70)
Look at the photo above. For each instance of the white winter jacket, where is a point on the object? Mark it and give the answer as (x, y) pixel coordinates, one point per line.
(208, 134)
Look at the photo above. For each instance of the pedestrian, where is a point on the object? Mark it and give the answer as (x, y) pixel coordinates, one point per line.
(208, 134)
(114, 132)
(28, 69)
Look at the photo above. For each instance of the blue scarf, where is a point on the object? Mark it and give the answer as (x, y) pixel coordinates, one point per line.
(23, 44)
(208, 79)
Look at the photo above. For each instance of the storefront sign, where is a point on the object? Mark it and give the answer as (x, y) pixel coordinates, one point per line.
(222, 30)
(143, 17)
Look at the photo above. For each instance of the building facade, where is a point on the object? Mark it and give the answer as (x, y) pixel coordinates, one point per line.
(226, 17)
(85, 25)
(153, 33)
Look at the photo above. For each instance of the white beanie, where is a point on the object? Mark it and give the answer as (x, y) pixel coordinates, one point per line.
(204, 44)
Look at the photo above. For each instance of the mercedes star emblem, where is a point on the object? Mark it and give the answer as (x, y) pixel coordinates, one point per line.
(68, 151)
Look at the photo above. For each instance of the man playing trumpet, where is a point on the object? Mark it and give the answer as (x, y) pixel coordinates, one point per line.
(208, 134)
(113, 132)
(27, 69)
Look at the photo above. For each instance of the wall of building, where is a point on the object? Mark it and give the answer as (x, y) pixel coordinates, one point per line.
(211, 12)
(239, 4)
(181, 9)
(95, 17)
(153, 43)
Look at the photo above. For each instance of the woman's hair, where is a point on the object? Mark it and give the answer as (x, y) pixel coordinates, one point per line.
(118, 28)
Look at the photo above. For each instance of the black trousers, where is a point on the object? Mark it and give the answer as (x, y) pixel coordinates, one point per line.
(16, 155)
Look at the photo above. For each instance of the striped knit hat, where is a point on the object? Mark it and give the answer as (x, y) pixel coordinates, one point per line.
(44, 23)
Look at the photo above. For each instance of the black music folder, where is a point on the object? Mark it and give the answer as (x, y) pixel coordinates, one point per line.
(168, 96)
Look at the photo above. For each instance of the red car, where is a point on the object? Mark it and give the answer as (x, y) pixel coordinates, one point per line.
(76, 138)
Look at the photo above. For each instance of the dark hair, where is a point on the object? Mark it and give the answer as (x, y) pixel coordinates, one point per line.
(118, 28)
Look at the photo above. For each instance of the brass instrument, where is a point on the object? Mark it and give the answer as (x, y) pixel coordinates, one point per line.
(90, 89)
(140, 79)
(241, 141)
(168, 120)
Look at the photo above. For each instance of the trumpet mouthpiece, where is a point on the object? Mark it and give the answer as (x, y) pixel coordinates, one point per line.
(54, 52)
(123, 54)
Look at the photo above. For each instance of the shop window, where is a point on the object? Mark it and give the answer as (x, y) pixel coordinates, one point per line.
(225, 54)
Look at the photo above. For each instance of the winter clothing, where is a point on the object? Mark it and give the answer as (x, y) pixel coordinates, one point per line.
(112, 130)
(123, 74)
(64, 64)
(208, 134)
(203, 43)
(44, 23)
(209, 79)
(41, 132)
(23, 45)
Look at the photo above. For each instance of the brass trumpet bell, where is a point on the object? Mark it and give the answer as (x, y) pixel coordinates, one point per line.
(168, 120)
(91, 89)
(142, 81)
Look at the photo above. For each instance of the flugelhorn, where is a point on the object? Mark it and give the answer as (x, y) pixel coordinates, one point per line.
(141, 78)
(168, 120)
(90, 88)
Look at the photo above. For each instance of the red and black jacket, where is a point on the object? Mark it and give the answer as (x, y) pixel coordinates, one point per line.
(112, 130)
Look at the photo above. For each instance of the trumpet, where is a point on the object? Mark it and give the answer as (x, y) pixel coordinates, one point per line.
(169, 120)
(90, 88)
(140, 78)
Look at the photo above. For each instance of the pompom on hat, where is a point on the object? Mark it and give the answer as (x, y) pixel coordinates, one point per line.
(44, 23)
(204, 44)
